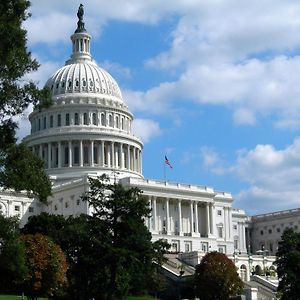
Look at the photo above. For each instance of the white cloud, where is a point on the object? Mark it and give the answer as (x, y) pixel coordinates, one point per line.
(273, 177)
(146, 129)
(115, 69)
(46, 69)
(209, 156)
(244, 116)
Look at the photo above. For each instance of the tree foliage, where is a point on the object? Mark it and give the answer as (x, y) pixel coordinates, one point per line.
(23, 170)
(129, 252)
(288, 265)
(216, 277)
(12, 259)
(16, 94)
(46, 264)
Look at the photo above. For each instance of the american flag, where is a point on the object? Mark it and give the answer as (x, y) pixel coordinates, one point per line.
(168, 162)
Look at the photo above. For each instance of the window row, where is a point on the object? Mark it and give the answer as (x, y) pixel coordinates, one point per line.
(58, 120)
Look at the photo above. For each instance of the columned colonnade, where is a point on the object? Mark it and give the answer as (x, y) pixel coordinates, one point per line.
(90, 153)
(162, 223)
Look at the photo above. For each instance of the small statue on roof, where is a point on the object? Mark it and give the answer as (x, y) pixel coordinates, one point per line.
(80, 23)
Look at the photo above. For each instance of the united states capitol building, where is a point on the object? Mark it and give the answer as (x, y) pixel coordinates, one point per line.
(88, 132)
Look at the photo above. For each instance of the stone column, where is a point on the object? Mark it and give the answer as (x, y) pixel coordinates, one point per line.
(102, 153)
(134, 159)
(70, 154)
(98, 153)
(179, 218)
(141, 163)
(128, 158)
(80, 154)
(59, 155)
(41, 151)
(49, 155)
(154, 213)
(212, 222)
(113, 161)
(191, 218)
(149, 218)
(230, 223)
(196, 217)
(121, 156)
(92, 153)
(207, 219)
(168, 216)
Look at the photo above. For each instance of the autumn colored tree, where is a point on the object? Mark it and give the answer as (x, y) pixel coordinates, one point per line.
(46, 264)
(216, 277)
(288, 265)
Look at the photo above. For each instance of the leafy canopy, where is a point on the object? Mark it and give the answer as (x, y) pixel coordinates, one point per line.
(216, 277)
(19, 168)
(288, 265)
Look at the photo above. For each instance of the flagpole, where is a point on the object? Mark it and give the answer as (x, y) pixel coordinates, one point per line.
(164, 170)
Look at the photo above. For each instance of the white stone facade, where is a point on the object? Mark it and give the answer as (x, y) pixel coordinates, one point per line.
(266, 229)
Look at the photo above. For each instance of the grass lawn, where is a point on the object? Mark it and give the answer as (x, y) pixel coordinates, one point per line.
(15, 297)
(138, 298)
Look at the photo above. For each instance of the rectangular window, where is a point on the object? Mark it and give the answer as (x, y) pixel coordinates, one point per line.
(31, 209)
(220, 232)
(78, 201)
(219, 212)
(204, 246)
(76, 117)
(51, 121)
(17, 208)
(59, 120)
(67, 119)
(235, 227)
(45, 123)
(76, 155)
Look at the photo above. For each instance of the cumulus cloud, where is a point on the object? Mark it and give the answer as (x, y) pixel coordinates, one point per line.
(273, 176)
(146, 129)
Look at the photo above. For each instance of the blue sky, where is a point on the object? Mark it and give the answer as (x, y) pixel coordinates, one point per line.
(213, 84)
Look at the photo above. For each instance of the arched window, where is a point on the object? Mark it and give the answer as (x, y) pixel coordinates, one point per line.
(110, 121)
(243, 272)
(122, 123)
(39, 126)
(117, 121)
(103, 123)
(76, 119)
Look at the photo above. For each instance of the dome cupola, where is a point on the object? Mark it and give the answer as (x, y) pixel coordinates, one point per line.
(88, 129)
(81, 74)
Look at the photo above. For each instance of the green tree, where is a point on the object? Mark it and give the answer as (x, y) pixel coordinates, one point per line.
(288, 265)
(129, 252)
(46, 264)
(12, 258)
(16, 93)
(216, 277)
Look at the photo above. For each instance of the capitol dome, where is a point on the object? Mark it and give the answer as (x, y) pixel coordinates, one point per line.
(81, 74)
(79, 77)
(88, 129)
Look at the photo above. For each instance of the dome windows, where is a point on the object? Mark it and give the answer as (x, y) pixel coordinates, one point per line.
(76, 119)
